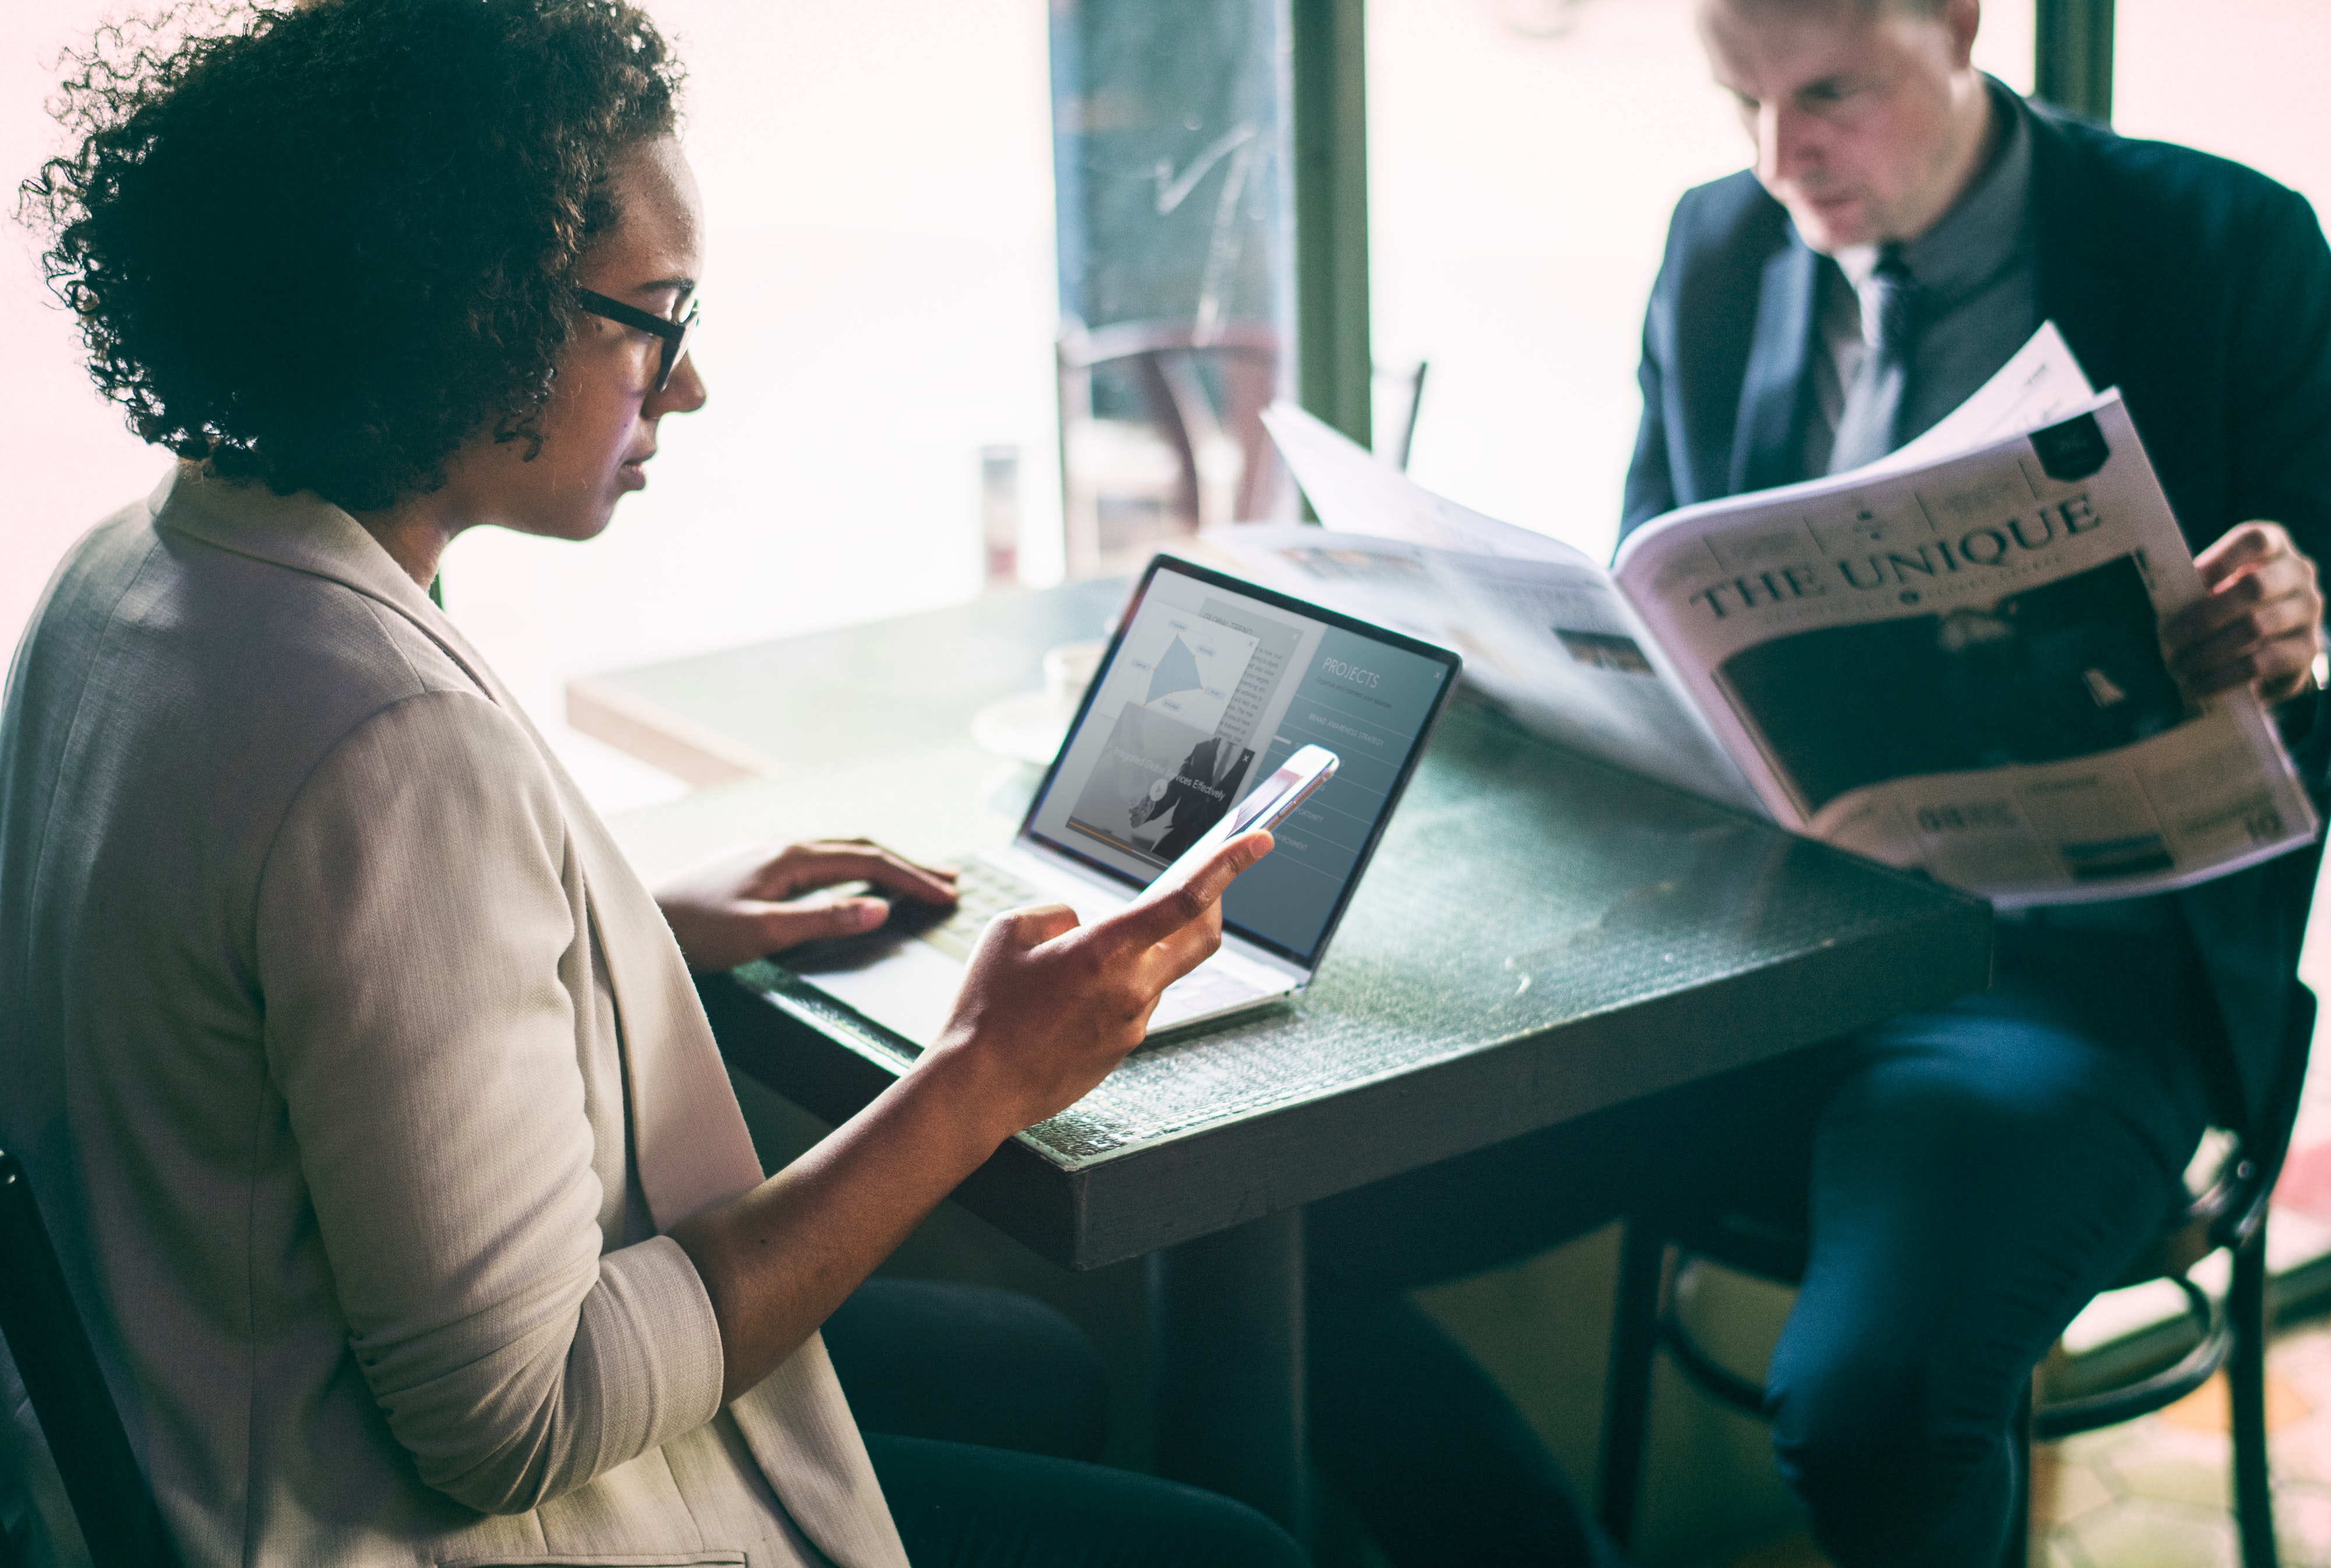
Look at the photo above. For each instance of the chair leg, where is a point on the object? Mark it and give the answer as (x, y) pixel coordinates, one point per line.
(2246, 1383)
(1627, 1398)
(2017, 1551)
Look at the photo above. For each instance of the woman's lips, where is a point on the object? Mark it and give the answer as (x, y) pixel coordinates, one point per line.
(633, 474)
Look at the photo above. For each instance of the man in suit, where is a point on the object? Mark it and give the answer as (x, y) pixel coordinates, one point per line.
(1196, 795)
(1975, 1173)
(2198, 287)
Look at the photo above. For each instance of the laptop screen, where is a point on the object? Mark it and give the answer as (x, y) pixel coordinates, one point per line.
(1210, 683)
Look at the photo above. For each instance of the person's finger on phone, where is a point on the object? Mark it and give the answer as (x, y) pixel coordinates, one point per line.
(1164, 911)
(1050, 1007)
(1179, 929)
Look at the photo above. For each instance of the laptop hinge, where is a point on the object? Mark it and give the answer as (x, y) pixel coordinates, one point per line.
(1056, 864)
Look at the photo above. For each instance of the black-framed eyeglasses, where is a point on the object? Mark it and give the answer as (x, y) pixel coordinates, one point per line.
(674, 334)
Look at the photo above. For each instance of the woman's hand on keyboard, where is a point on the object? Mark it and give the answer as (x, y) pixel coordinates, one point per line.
(1050, 1006)
(750, 904)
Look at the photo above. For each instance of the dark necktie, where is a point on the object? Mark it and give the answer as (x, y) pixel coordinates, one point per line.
(1871, 425)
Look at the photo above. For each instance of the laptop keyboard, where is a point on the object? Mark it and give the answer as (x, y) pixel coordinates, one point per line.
(983, 891)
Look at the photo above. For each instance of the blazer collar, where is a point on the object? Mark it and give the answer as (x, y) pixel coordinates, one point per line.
(308, 534)
(1769, 437)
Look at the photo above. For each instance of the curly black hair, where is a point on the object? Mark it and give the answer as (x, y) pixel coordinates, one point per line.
(323, 246)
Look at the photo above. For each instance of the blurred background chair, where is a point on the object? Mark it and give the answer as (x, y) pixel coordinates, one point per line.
(109, 1496)
(1161, 435)
(1396, 415)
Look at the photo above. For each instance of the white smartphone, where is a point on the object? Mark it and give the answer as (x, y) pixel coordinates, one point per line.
(1268, 804)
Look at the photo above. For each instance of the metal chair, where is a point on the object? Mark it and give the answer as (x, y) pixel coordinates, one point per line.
(1200, 390)
(1409, 388)
(1661, 1250)
(102, 1480)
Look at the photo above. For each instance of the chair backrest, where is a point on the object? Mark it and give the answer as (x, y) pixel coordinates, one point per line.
(2228, 1212)
(2236, 1205)
(108, 1492)
(1411, 384)
(1164, 359)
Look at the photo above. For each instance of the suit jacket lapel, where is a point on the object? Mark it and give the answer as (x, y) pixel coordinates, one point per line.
(1768, 438)
(2079, 288)
(688, 1135)
(308, 534)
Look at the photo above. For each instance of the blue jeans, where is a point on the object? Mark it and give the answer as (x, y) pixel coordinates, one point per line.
(1970, 1177)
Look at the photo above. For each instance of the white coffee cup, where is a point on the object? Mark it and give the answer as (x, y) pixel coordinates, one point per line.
(1069, 669)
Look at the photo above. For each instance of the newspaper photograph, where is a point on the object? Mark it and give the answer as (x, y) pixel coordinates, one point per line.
(1957, 667)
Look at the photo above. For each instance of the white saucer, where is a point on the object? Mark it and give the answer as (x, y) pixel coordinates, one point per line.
(1026, 726)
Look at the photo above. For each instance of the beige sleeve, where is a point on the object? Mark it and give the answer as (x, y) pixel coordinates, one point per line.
(413, 918)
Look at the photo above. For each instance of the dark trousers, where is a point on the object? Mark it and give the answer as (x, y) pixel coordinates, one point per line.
(1970, 1177)
(983, 1410)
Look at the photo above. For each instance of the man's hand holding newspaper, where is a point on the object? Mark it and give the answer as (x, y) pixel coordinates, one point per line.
(2260, 623)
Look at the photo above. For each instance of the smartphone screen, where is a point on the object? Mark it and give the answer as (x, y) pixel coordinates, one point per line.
(1300, 770)
(1266, 806)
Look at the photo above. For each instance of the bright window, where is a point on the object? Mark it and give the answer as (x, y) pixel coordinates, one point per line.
(2240, 78)
(878, 318)
(878, 308)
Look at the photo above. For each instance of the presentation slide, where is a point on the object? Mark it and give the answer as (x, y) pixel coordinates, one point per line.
(1209, 693)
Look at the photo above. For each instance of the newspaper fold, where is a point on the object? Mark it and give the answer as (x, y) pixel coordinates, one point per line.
(1948, 660)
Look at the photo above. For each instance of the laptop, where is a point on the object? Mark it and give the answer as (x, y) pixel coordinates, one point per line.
(1209, 685)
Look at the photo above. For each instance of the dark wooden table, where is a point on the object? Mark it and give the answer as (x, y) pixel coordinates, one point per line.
(1540, 937)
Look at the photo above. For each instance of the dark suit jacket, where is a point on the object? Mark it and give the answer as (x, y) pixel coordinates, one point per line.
(1194, 809)
(2198, 287)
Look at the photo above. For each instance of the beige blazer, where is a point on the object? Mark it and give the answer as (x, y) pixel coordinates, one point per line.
(358, 1075)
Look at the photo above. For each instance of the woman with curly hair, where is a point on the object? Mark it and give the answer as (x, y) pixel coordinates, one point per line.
(365, 1088)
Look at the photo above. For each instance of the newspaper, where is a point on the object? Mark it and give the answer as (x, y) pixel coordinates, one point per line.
(1949, 661)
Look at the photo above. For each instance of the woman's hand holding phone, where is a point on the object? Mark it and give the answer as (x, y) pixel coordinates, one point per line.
(1057, 1005)
(1050, 1006)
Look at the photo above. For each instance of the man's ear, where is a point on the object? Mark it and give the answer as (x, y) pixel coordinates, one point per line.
(1961, 19)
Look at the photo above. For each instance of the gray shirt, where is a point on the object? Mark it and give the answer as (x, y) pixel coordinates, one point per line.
(1978, 296)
